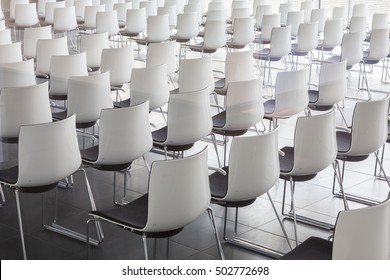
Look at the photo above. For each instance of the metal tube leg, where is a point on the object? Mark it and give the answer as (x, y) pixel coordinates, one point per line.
(145, 246)
(292, 186)
(115, 188)
(381, 168)
(336, 168)
(212, 219)
(213, 138)
(146, 163)
(20, 223)
(88, 237)
(2, 196)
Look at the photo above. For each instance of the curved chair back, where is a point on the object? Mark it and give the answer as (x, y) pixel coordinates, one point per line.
(307, 37)
(64, 19)
(187, 26)
(239, 13)
(120, 73)
(236, 4)
(369, 127)
(280, 41)
(31, 36)
(214, 35)
(189, 117)
(26, 15)
(49, 11)
(352, 48)
(12, 7)
(253, 166)
(23, 106)
(216, 6)
(295, 18)
(333, 33)
(260, 11)
(243, 32)
(5, 37)
(332, 85)
(121, 9)
(379, 44)
(318, 15)
(17, 74)
(107, 21)
(244, 106)
(194, 8)
(174, 201)
(360, 10)
(196, 74)
(124, 134)
(307, 6)
(171, 12)
(11, 53)
(315, 146)
(93, 45)
(79, 6)
(149, 83)
(150, 8)
(215, 15)
(162, 53)
(109, 4)
(269, 22)
(239, 67)
(88, 95)
(284, 9)
(158, 28)
(341, 12)
(380, 21)
(135, 21)
(41, 8)
(46, 48)
(90, 15)
(54, 145)
(358, 24)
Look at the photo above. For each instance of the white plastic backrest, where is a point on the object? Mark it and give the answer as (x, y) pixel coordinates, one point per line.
(295, 18)
(215, 15)
(120, 73)
(280, 41)
(93, 45)
(12, 7)
(26, 15)
(315, 146)
(151, 84)
(162, 53)
(124, 134)
(239, 4)
(244, 106)
(109, 4)
(69, 3)
(243, 32)
(341, 13)
(107, 21)
(46, 48)
(158, 28)
(62, 67)
(54, 145)
(171, 12)
(239, 67)
(253, 166)
(257, 3)
(360, 10)
(290, 93)
(358, 24)
(333, 33)
(332, 83)
(64, 19)
(307, 7)
(41, 7)
(214, 35)
(189, 117)
(5, 37)
(17, 74)
(216, 6)
(2, 24)
(90, 15)
(262, 10)
(352, 48)
(319, 15)
(88, 95)
(23, 106)
(307, 37)
(80, 7)
(268, 23)
(11, 53)
(196, 74)
(369, 126)
(122, 10)
(239, 13)
(187, 26)
(380, 21)
(150, 7)
(31, 36)
(363, 234)
(379, 44)
(175, 201)
(284, 8)
(136, 21)
(49, 11)
(194, 8)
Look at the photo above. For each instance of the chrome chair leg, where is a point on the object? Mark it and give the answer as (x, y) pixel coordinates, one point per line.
(292, 187)
(212, 220)
(214, 140)
(145, 244)
(2, 196)
(20, 223)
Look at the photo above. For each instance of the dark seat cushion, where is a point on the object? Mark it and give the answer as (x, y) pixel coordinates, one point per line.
(91, 154)
(313, 248)
(286, 165)
(219, 183)
(160, 136)
(269, 106)
(219, 121)
(122, 104)
(343, 141)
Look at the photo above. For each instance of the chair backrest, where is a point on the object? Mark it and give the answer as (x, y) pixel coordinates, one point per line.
(216, 6)
(214, 35)
(243, 32)
(17, 74)
(352, 48)
(79, 6)
(332, 84)
(215, 15)
(24, 105)
(358, 24)
(370, 225)
(189, 117)
(31, 36)
(260, 11)
(333, 33)
(109, 4)
(41, 7)
(136, 21)
(196, 74)
(5, 37)
(315, 146)
(124, 134)
(295, 18)
(360, 10)
(120, 73)
(307, 37)
(284, 8)
(244, 106)
(268, 23)
(380, 21)
(90, 15)
(162, 53)
(290, 93)
(46, 48)
(151, 84)
(12, 7)
(11, 53)
(150, 7)
(239, 13)
(253, 166)
(64, 19)
(26, 15)
(194, 8)
(187, 26)
(62, 67)
(93, 45)
(280, 41)
(49, 10)
(122, 11)
(54, 145)
(239, 4)
(171, 11)
(307, 7)
(88, 95)
(239, 66)
(369, 126)
(107, 21)
(341, 12)
(158, 28)
(175, 201)
(379, 44)
(319, 15)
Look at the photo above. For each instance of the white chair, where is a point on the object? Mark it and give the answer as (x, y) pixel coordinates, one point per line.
(172, 16)
(135, 22)
(260, 11)
(2, 24)
(162, 53)
(171, 202)
(109, 4)
(238, 13)
(284, 8)
(360, 10)
(341, 12)
(157, 30)
(12, 8)
(93, 45)
(268, 23)
(307, 7)
(30, 38)
(25, 16)
(150, 7)
(358, 25)
(65, 22)
(11, 53)
(46, 48)
(49, 11)
(121, 9)
(17, 74)
(243, 109)
(62, 67)
(5, 37)
(319, 15)
(79, 6)
(213, 39)
(194, 8)
(243, 33)
(107, 21)
(41, 8)
(22, 105)
(90, 17)
(307, 42)
(333, 36)
(380, 21)
(295, 18)
(187, 29)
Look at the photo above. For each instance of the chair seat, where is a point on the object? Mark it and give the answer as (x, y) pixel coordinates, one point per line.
(313, 95)
(219, 122)
(199, 48)
(265, 54)
(313, 99)
(160, 136)
(219, 86)
(90, 156)
(343, 146)
(269, 106)
(174, 91)
(232, 45)
(122, 104)
(313, 248)
(57, 116)
(286, 165)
